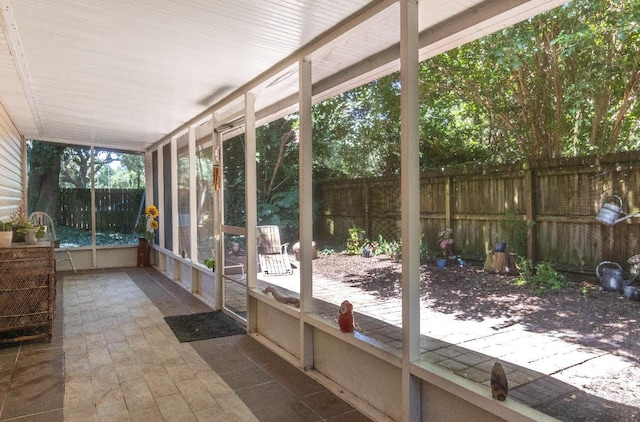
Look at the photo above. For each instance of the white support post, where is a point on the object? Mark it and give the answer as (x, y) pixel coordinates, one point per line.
(148, 179)
(410, 198)
(251, 205)
(306, 217)
(217, 216)
(148, 184)
(193, 211)
(92, 164)
(175, 227)
(160, 201)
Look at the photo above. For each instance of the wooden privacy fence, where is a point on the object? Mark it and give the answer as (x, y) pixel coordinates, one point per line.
(116, 209)
(481, 205)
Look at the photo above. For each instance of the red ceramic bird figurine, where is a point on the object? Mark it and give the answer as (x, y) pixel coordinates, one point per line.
(345, 320)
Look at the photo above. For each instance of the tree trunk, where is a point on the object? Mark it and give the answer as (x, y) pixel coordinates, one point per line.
(44, 174)
(501, 263)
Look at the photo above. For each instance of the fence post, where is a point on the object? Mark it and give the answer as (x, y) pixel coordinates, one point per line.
(448, 203)
(529, 210)
(367, 208)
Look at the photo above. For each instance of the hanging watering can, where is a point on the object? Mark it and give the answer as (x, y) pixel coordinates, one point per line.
(610, 213)
(611, 276)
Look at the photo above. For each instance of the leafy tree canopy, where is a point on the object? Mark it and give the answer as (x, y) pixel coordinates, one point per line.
(563, 83)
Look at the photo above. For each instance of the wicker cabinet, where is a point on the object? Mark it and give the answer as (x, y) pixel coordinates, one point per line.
(27, 292)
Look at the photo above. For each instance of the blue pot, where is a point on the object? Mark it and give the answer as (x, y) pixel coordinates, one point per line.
(441, 262)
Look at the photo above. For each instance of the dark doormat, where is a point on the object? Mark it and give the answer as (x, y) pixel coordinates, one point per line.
(204, 325)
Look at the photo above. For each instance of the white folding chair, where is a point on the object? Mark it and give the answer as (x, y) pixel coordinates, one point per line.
(41, 218)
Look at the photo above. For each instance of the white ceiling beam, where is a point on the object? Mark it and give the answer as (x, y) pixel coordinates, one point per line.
(123, 146)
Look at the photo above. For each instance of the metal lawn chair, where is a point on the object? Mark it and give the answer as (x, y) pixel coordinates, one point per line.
(272, 255)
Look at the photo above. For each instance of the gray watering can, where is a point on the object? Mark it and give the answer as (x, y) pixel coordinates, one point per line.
(610, 213)
(611, 276)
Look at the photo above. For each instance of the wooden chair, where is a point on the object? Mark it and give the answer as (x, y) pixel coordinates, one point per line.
(272, 255)
(40, 218)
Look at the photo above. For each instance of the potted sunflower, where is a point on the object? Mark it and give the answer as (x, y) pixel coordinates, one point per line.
(146, 229)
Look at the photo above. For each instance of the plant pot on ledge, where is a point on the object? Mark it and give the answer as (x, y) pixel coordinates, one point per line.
(143, 252)
(5, 239)
(31, 236)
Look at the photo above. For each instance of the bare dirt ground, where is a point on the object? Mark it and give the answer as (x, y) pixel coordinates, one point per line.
(605, 320)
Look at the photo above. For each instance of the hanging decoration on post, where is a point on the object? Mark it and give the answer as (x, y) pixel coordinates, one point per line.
(216, 177)
(216, 169)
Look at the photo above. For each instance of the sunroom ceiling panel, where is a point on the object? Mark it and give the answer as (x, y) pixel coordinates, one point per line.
(150, 65)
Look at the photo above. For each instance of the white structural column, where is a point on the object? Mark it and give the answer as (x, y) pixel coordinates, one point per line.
(306, 217)
(148, 177)
(410, 197)
(175, 230)
(160, 203)
(193, 197)
(217, 215)
(251, 205)
(193, 212)
(94, 252)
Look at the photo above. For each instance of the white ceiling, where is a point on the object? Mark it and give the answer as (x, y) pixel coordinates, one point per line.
(126, 74)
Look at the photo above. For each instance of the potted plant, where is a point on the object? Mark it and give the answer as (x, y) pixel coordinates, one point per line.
(20, 223)
(147, 224)
(210, 263)
(6, 235)
(41, 231)
(146, 228)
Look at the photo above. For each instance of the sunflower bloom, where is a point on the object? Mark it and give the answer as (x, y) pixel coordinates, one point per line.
(147, 225)
(151, 211)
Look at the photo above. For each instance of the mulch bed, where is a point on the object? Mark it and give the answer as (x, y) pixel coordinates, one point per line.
(604, 320)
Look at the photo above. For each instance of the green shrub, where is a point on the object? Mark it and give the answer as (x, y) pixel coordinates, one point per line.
(515, 231)
(356, 241)
(543, 277)
(547, 278)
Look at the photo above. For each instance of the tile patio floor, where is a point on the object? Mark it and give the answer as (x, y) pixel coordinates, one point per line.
(113, 358)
